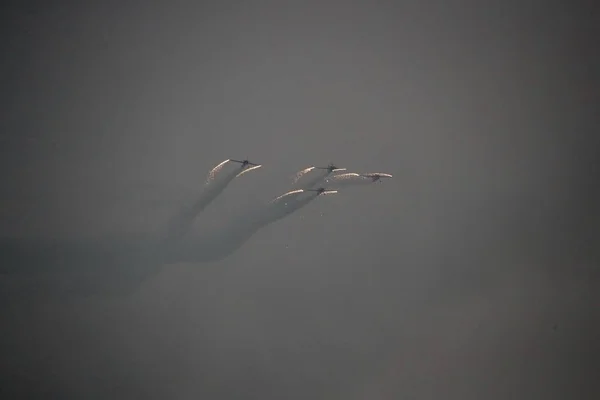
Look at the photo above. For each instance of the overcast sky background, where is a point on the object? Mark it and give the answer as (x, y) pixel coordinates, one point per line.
(473, 273)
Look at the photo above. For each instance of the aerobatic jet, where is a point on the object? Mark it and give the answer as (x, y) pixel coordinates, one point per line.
(245, 163)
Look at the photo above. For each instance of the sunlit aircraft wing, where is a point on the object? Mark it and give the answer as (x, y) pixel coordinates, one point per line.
(378, 175)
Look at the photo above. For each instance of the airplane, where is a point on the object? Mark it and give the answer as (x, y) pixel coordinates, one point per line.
(331, 168)
(376, 176)
(245, 163)
(321, 190)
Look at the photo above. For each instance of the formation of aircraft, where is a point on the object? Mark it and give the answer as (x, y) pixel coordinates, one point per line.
(118, 264)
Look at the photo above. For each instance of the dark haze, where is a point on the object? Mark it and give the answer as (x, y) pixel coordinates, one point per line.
(472, 274)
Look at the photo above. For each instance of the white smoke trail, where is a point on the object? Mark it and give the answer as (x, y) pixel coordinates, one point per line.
(287, 203)
(181, 223)
(63, 269)
(122, 265)
(221, 245)
(309, 177)
(88, 265)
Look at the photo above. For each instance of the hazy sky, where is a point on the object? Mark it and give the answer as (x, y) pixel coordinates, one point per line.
(473, 273)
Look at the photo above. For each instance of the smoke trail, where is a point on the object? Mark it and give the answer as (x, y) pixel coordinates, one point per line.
(303, 181)
(87, 267)
(219, 246)
(287, 204)
(181, 223)
(64, 269)
(98, 267)
(118, 268)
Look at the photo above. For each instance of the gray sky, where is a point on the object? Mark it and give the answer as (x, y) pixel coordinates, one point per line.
(472, 274)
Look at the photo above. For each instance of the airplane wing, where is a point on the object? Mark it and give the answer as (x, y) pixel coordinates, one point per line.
(246, 162)
(378, 174)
